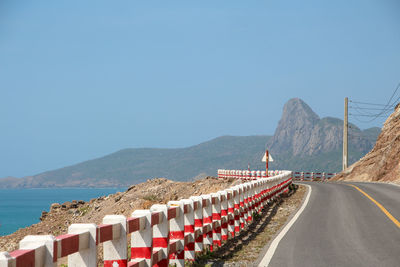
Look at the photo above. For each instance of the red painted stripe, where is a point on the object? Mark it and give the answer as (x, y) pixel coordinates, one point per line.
(176, 234)
(207, 220)
(205, 203)
(155, 218)
(224, 237)
(172, 213)
(160, 242)
(217, 242)
(189, 247)
(236, 206)
(141, 253)
(230, 210)
(224, 212)
(24, 257)
(106, 233)
(133, 224)
(216, 216)
(198, 222)
(121, 263)
(55, 251)
(189, 228)
(69, 244)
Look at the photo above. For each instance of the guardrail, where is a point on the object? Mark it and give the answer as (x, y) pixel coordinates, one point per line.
(246, 174)
(312, 176)
(164, 234)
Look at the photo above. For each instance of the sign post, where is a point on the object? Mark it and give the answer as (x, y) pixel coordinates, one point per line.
(267, 157)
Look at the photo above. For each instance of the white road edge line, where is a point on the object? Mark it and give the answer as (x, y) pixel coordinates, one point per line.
(271, 250)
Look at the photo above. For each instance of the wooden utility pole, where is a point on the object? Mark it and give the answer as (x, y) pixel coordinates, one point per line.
(345, 134)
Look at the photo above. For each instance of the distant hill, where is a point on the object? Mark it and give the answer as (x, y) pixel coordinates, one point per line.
(135, 165)
(303, 141)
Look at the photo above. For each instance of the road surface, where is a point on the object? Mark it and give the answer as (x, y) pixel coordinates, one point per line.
(341, 226)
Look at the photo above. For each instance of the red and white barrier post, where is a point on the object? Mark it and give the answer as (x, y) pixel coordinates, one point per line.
(115, 250)
(160, 234)
(177, 233)
(142, 240)
(189, 229)
(198, 223)
(216, 219)
(207, 222)
(88, 255)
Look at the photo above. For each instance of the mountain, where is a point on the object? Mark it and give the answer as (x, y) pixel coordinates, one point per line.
(382, 162)
(131, 166)
(304, 141)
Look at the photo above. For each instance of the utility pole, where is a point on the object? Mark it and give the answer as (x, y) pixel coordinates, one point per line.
(345, 134)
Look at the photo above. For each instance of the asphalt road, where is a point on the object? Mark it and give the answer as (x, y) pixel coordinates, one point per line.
(340, 226)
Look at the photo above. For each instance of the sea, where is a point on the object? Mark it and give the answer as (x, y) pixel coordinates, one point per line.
(20, 208)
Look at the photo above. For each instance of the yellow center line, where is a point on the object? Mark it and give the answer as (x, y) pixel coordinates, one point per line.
(387, 213)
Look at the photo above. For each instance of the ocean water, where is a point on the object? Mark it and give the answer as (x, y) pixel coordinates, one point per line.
(22, 207)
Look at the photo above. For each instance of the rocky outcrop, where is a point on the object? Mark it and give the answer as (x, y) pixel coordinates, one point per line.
(301, 132)
(382, 162)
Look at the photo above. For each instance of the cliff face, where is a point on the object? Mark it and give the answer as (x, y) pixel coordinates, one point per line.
(301, 132)
(382, 162)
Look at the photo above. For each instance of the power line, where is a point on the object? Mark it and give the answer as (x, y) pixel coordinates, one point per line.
(365, 111)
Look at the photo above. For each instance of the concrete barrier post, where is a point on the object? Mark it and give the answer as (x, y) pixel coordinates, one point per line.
(207, 222)
(160, 233)
(241, 205)
(177, 234)
(189, 229)
(231, 212)
(141, 240)
(216, 219)
(236, 199)
(224, 215)
(44, 249)
(198, 223)
(84, 257)
(116, 249)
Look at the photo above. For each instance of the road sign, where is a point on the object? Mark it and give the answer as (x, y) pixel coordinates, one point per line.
(270, 159)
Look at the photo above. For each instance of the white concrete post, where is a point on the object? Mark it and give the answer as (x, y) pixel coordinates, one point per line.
(161, 233)
(116, 250)
(177, 233)
(207, 220)
(198, 223)
(236, 200)
(224, 215)
(241, 205)
(231, 212)
(84, 257)
(141, 240)
(43, 256)
(6, 260)
(216, 218)
(189, 229)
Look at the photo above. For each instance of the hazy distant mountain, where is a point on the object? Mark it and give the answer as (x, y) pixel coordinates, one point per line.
(130, 166)
(303, 141)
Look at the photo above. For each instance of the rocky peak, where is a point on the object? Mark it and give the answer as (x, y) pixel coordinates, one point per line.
(295, 127)
(301, 132)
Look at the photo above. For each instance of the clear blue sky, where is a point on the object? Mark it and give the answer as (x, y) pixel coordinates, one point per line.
(81, 79)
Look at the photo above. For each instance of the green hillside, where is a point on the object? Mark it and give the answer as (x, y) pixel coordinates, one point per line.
(130, 166)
